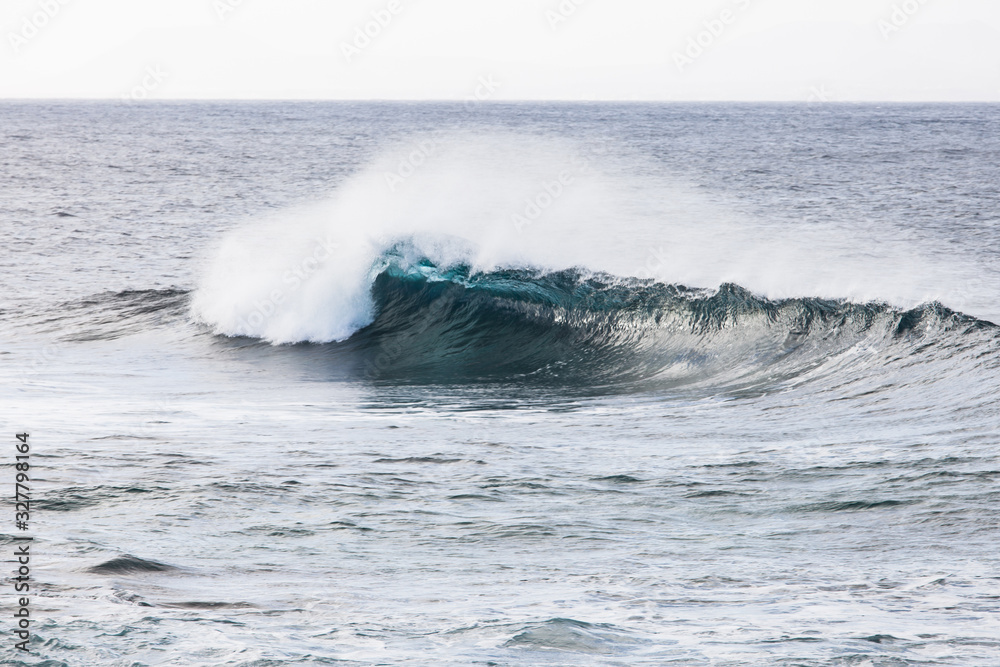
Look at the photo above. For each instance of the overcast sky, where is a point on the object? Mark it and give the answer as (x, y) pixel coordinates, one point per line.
(837, 50)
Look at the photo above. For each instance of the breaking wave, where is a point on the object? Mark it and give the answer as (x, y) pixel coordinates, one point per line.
(468, 268)
(432, 323)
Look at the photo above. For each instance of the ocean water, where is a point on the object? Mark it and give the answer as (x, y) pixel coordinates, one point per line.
(504, 384)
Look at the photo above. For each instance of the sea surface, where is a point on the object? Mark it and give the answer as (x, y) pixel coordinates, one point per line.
(503, 384)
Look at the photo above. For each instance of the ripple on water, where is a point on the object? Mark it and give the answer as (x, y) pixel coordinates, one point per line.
(129, 564)
(569, 635)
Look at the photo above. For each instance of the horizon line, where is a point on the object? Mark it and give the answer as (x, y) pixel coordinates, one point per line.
(497, 102)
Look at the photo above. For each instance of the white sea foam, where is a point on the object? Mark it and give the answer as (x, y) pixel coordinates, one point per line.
(507, 200)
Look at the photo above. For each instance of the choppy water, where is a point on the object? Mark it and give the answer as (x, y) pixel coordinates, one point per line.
(512, 384)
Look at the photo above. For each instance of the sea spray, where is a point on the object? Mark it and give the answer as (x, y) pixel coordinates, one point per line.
(305, 274)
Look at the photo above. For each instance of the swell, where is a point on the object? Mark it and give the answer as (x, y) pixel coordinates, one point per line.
(104, 316)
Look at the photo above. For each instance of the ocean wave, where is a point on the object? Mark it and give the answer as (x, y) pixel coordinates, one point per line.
(430, 321)
(451, 323)
(427, 322)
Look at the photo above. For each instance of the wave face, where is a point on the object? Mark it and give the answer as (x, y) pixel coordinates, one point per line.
(450, 323)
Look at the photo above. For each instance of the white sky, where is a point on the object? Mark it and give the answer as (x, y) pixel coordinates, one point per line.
(440, 49)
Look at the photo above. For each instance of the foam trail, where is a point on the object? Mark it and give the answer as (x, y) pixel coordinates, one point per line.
(515, 201)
